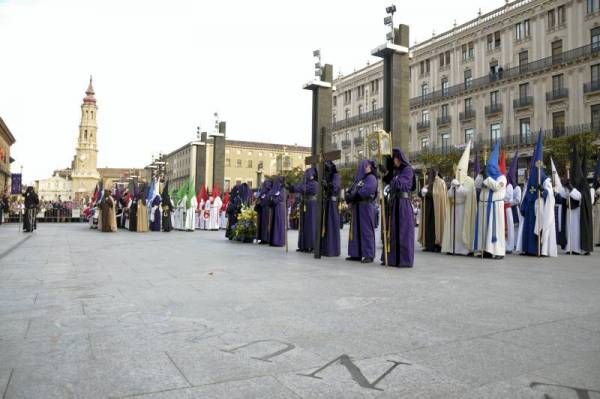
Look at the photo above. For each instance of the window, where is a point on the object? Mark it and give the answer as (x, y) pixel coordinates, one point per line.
(593, 6)
(595, 39)
(424, 89)
(557, 51)
(490, 41)
(360, 109)
(595, 73)
(427, 66)
(560, 13)
(595, 114)
(375, 86)
(468, 105)
(468, 51)
(558, 123)
(551, 19)
(558, 82)
(227, 162)
(238, 163)
(468, 78)
(444, 110)
(447, 54)
(469, 134)
(523, 59)
(495, 132)
(445, 86)
(471, 50)
(249, 164)
(424, 143)
(334, 101)
(522, 30)
(422, 64)
(494, 69)
(425, 116)
(360, 91)
(373, 105)
(442, 60)
(445, 141)
(464, 52)
(347, 113)
(494, 98)
(525, 131)
(523, 90)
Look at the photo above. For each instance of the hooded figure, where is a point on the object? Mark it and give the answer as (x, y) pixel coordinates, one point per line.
(308, 211)
(461, 210)
(433, 214)
(577, 209)
(108, 211)
(595, 200)
(142, 212)
(361, 196)
(167, 209)
(511, 205)
(557, 186)
(191, 205)
(489, 230)
(401, 230)
(330, 225)
(215, 209)
(276, 201)
(155, 211)
(538, 234)
(223, 212)
(263, 212)
(132, 206)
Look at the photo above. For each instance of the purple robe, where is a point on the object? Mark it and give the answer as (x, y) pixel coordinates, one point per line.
(330, 242)
(308, 210)
(361, 243)
(277, 204)
(155, 225)
(263, 213)
(402, 219)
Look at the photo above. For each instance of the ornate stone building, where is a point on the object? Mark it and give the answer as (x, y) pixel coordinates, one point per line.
(84, 173)
(6, 141)
(525, 66)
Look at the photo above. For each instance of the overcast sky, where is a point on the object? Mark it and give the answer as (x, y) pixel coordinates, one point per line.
(161, 68)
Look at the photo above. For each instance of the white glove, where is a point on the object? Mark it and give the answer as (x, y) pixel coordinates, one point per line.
(424, 191)
(455, 183)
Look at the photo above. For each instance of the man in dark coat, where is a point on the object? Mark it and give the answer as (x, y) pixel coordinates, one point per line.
(361, 196)
(330, 225)
(31, 204)
(167, 209)
(579, 181)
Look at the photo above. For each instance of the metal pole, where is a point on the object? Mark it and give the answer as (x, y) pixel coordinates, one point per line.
(454, 221)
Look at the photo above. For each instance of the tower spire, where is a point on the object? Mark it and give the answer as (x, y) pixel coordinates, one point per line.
(89, 98)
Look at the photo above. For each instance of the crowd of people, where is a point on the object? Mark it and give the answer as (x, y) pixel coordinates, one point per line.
(483, 213)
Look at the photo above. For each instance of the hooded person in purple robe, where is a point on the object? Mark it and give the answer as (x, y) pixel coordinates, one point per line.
(402, 221)
(308, 209)
(263, 212)
(277, 206)
(360, 197)
(330, 225)
(156, 214)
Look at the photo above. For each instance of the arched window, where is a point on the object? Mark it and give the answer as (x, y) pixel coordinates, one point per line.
(92, 114)
(85, 134)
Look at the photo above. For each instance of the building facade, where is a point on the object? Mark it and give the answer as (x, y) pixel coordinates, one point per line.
(6, 141)
(85, 174)
(526, 66)
(244, 162)
(55, 188)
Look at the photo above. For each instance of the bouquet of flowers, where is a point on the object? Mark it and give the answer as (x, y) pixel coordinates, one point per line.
(245, 228)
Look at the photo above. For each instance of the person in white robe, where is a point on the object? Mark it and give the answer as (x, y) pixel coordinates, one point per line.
(511, 204)
(215, 209)
(190, 214)
(199, 215)
(461, 209)
(490, 227)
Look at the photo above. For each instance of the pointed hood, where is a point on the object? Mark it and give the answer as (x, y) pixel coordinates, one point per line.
(398, 154)
(538, 155)
(462, 169)
(492, 168)
(216, 191)
(555, 177)
(201, 195)
(512, 170)
(502, 164)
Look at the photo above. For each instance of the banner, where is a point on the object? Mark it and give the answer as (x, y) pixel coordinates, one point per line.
(15, 183)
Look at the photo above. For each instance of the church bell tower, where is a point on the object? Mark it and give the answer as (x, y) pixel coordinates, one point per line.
(85, 173)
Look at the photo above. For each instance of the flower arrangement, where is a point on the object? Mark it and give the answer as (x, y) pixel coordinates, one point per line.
(245, 228)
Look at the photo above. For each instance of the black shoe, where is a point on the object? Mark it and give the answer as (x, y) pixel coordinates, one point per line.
(353, 259)
(367, 260)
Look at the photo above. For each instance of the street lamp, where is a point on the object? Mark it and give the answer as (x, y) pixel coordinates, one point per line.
(389, 21)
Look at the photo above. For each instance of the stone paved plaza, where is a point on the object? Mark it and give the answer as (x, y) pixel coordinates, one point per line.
(191, 315)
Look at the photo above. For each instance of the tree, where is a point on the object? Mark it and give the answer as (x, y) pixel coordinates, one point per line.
(559, 149)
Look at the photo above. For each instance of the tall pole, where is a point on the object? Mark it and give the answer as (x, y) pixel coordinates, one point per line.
(484, 220)
(568, 168)
(538, 165)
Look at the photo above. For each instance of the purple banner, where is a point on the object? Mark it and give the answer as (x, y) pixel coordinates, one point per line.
(15, 183)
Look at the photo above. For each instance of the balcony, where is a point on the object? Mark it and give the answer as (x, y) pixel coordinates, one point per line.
(591, 87)
(444, 120)
(359, 141)
(523, 102)
(493, 109)
(358, 119)
(557, 94)
(346, 144)
(576, 54)
(423, 125)
(467, 115)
